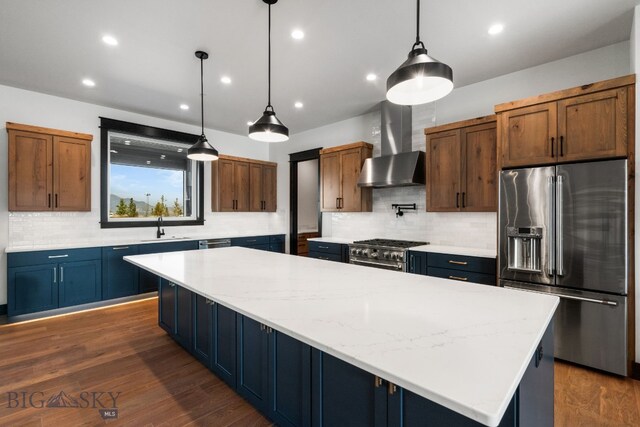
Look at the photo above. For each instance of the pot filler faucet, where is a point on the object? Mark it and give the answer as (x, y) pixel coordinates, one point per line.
(160, 233)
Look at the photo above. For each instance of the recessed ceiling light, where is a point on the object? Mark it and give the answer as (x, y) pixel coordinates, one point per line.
(162, 156)
(184, 107)
(226, 80)
(179, 150)
(495, 29)
(249, 123)
(114, 151)
(148, 162)
(127, 142)
(371, 77)
(297, 34)
(298, 104)
(110, 40)
(88, 82)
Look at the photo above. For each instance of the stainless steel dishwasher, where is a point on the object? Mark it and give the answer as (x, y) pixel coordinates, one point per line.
(214, 243)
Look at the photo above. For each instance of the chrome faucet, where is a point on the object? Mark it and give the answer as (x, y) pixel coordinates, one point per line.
(160, 233)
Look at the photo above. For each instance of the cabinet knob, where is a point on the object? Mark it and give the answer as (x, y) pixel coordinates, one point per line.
(391, 388)
(377, 381)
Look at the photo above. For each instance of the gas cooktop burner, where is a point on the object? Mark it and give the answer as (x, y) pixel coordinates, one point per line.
(390, 243)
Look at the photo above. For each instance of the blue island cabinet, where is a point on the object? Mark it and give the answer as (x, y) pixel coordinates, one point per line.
(175, 312)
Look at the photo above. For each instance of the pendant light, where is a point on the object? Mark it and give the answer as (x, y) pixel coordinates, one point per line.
(421, 78)
(202, 150)
(269, 128)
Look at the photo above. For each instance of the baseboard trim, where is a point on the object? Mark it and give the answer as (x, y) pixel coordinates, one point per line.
(3, 309)
(635, 371)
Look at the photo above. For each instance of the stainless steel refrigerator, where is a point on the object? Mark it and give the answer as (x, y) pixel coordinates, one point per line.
(563, 231)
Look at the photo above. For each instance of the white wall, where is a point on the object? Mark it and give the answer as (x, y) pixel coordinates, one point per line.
(28, 229)
(308, 196)
(470, 229)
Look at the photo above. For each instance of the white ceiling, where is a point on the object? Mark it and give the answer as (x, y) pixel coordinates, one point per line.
(50, 46)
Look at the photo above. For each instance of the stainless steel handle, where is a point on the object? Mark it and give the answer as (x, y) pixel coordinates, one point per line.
(323, 247)
(559, 226)
(551, 254)
(464, 279)
(61, 274)
(458, 262)
(322, 257)
(120, 248)
(377, 381)
(173, 285)
(391, 389)
(251, 240)
(572, 297)
(397, 267)
(55, 275)
(58, 256)
(209, 302)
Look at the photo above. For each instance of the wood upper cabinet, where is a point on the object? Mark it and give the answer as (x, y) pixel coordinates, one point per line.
(583, 123)
(339, 172)
(262, 187)
(461, 166)
(243, 185)
(49, 170)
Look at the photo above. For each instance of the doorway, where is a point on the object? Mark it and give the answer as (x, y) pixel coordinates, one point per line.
(304, 201)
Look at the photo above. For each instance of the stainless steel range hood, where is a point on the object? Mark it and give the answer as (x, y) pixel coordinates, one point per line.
(398, 166)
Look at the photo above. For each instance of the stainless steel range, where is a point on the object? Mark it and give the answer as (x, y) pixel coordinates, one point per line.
(381, 253)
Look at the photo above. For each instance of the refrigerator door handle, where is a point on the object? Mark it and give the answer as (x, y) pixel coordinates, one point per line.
(573, 297)
(559, 226)
(551, 256)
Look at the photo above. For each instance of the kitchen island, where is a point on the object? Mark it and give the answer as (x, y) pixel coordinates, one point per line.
(319, 344)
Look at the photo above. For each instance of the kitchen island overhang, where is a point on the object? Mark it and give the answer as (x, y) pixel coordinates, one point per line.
(463, 346)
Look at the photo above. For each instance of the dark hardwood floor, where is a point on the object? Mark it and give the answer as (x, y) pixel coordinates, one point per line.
(122, 349)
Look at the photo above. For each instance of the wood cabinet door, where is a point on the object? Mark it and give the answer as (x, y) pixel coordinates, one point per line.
(225, 186)
(270, 188)
(479, 175)
(443, 171)
(30, 171)
(528, 136)
(71, 174)
(593, 126)
(241, 186)
(329, 181)
(255, 188)
(351, 194)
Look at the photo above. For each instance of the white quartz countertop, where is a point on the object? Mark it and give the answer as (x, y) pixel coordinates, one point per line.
(93, 243)
(456, 250)
(464, 346)
(339, 240)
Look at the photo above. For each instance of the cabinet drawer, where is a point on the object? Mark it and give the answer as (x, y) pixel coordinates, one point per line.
(327, 248)
(464, 263)
(463, 276)
(325, 255)
(250, 241)
(20, 259)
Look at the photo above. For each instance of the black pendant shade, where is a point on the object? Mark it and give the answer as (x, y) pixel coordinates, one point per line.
(269, 128)
(421, 78)
(202, 150)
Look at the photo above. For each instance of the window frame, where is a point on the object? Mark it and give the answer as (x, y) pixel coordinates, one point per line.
(111, 125)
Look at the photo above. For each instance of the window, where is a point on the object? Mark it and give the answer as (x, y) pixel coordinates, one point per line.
(145, 173)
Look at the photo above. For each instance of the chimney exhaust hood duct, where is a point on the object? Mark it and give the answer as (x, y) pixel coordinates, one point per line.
(398, 166)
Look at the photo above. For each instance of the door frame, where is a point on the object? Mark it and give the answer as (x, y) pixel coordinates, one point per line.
(294, 159)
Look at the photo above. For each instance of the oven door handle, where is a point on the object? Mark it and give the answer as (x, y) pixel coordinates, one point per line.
(397, 267)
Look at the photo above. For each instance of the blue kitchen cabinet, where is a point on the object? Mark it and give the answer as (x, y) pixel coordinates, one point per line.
(289, 381)
(276, 243)
(79, 282)
(148, 282)
(202, 328)
(462, 268)
(32, 288)
(417, 262)
(167, 306)
(175, 312)
(253, 368)
(328, 251)
(46, 280)
(224, 348)
(119, 278)
(344, 395)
